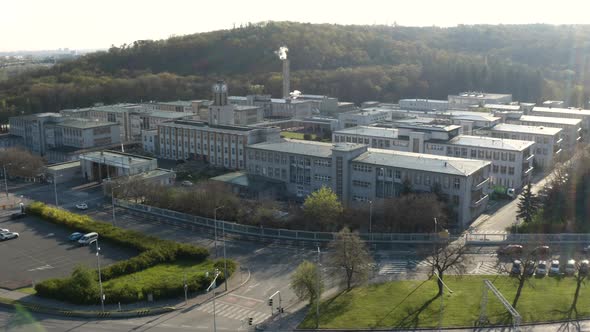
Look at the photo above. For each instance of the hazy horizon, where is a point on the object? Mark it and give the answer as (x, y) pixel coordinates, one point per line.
(34, 25)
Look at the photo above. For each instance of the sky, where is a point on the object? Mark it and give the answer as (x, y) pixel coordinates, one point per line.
(92, 24)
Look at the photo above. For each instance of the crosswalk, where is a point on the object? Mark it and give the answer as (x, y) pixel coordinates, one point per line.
(400, 266)
(234, 312)
(485, 268)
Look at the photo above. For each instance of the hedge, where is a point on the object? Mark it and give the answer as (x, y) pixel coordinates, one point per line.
(152, 250)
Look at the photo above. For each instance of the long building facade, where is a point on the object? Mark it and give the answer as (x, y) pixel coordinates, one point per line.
(359, 174)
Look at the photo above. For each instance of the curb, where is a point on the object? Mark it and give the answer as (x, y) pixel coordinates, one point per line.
(85, 314)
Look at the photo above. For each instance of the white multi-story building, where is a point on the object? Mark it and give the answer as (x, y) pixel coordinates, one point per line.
(426, 105)
(571, 127)
(364, 117)
(548, 141)
(466, 99)
(220, 145)
(511, 159)
(570, 113)
(359, 174)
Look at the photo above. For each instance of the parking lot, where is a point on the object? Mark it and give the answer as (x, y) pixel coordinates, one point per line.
(43, 251)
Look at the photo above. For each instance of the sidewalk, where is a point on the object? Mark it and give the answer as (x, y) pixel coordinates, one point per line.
(143, 308)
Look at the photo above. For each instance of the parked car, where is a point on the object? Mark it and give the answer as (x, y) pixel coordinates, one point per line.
(530, 269)
(584, 267)
(586, 248)
(541, 269)
(75, 236)
(88, 239)
(554, 268)
(186, 183)
(8, 235)
(510, 249)
(17, 215)
(4, 230)
(516, 267)
(570, 267)
(82, 206)
(542, 251)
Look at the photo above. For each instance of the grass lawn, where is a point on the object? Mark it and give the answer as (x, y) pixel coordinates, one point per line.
(294, 135)
(162, 275)
(409, 304)
(27, 290)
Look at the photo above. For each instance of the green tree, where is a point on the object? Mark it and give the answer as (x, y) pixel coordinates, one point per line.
(527, 205)
(323, 205)
(304, 282)
(349, 254)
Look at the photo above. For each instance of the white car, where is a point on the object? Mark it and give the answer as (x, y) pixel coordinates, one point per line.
(82, 206)
(570, 267)
(542, 269)
(4, 230)
(554, 268)
(8, 235)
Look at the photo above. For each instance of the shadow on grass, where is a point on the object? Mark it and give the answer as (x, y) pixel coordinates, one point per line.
(504, 318)
(412, 320)
(424, 306)
(327, 315)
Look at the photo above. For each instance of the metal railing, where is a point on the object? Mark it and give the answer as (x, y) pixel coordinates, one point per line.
(492, 239)
(184, 219)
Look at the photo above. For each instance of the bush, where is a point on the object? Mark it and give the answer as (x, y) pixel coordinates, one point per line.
(82, 286)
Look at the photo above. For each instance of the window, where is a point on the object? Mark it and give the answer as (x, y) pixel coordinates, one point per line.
(456, 200)
(511, 170)
(418, 179)
(511, 157)
(398, 174)
(504, 156)
(283, 174)
(488, 154)
(496, 155)
(480, 154)
(473, 153)
(457, 183)
(495, 168)
(503, 169)
(427, 180)
(325, 178)
(361, 184)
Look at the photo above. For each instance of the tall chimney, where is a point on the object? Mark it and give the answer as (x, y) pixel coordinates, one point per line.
(286, 79)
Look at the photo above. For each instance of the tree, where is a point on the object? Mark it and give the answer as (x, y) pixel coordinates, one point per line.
(528, 258)
(528, 204)
(21, 163)
(447, 257)
(323, 206)
(349, 254)
(580, 277)
(304, 282)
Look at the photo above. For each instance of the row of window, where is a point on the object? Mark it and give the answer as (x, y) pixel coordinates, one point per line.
(325, 178)
(502, 169)
(362, 184)
(362, 168)
(191, 133)
(480, 154)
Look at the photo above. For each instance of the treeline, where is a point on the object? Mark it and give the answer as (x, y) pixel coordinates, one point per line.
(353, 63)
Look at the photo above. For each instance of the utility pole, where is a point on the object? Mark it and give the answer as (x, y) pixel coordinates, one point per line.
(55, 190)
(318, 296)
(212, 285)
(371, 219)
(215, 228)
(225, 276)
(5, 179)
(99, 276)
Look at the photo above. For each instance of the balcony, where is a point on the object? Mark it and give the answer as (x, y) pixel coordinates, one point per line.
(527, 171)
(559, 141)
(480, 202)
(529, 158)
(556, 153)
(480, 185)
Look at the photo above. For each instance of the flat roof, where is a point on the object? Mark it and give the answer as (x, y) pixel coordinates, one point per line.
(369, 131)
(481, 95)
(84, 123)
(468, 115)
(307, 148)
(549, 119)
(194, 124)
(434, 101)
(556, 110)
(251, 181)
(422, 162)
(538, 130)
(115, 158)
(163, 114)
(370, 110)
(152, 174)
(65, 165)
(245, 108)
(491, 142)
(426, 125)
(184, 103)
(503, 107)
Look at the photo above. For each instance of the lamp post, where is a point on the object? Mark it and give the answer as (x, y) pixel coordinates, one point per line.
(113, 200)
(224, 257)
(55, 188)
(371, 219)
(212, 285)
(5, 179)
(99, 275)
(317, 307)
(215, 227)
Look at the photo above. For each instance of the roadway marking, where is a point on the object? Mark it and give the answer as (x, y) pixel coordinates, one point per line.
(41, 268)
(245, 297)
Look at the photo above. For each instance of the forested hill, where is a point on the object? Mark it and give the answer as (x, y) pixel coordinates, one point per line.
(354, 63)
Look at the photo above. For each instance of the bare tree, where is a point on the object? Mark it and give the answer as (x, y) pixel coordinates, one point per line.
(580, 277)
(349, 254)
(445, 257)
(19, 162)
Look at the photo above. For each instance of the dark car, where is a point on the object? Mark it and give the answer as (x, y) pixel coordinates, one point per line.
(510, 249)
(584, 267)
(18, 215)
(516, 267)
(75, 236)
(542, 251)
(530, 269)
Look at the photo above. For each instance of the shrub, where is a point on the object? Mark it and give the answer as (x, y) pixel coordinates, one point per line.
(82, 286)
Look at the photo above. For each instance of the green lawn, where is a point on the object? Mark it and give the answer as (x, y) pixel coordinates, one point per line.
(27, 290)
(293, 135)
(409, 304)
(169, 273)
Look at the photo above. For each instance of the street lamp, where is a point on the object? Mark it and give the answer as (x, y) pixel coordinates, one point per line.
(6, 178)
(442, 296)
(113, 199)
(371, 219)
(212, 285)
(99, 275)
(215, 227)
(55, 188)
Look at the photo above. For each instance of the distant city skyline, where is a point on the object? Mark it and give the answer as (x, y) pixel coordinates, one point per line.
(74, 24)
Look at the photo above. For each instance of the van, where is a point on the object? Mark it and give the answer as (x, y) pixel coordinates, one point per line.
(88, 239)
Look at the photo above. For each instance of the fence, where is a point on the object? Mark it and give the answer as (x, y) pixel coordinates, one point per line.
(497, 239)
(183, 219)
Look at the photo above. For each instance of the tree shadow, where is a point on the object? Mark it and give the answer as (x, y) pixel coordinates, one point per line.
(379, 323)
(504, 319)
(412, 320)
(569, 326)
